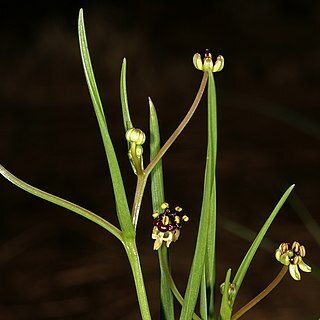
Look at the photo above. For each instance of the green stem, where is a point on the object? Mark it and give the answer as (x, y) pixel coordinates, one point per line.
(261, 295)
(141, 184)
(133, 256)
(181, 126)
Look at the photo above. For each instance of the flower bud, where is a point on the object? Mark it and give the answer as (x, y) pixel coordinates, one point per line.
(231, 290)
(139, 151)
(135, 135)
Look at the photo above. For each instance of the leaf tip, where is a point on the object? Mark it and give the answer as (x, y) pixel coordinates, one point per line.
(81, 14)
(151, 105)
(291, 187)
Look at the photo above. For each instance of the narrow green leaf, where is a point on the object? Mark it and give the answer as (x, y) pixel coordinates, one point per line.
(237, 281)
(197, 268)
(92, 86)
(204, 245)
(122, 207)
(157, 195)
(124, 97)
(203, 298)
(157, 185)
(210, 197)
(62, 203)
(225, 309)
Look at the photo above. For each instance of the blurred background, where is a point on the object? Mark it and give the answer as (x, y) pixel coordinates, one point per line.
(57, 265)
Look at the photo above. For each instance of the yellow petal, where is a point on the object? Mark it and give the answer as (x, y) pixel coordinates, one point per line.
(168, 242)
(207, 64)
(157, 244)
(176, 234)
(294, 271)
(304, 267)
(278, 255)
(165, 205)
(197, 61)
(219, 64)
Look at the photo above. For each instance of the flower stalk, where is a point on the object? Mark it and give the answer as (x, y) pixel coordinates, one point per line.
(261, 295)
(181, 126)
(143, 176)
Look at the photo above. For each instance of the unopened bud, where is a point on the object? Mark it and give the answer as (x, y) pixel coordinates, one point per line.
(136, 135)
(139, 151)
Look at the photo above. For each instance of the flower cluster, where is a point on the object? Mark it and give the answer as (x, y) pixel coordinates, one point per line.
(292, 256)
(167, 225)
(207, 63)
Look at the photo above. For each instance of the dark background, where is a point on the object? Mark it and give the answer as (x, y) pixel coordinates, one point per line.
(56, 265)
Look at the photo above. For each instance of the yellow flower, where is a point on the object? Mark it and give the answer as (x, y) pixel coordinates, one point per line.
(292, 256)
(207, 63)
(167, 225)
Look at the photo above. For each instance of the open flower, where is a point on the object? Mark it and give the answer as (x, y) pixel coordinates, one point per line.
(292, 256)
(207, 64)
(167, 225)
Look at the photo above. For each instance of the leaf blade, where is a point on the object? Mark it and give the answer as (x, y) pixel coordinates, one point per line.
(158, 197)
(237, 281)
(122, 206)
(207, 217)
(127, 123)
(210, 193)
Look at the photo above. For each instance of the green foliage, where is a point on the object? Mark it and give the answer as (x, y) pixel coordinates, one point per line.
(122, 207)
(157, 195)
(202, 276)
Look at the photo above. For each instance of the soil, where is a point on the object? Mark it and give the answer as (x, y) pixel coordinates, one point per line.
(56, 265)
